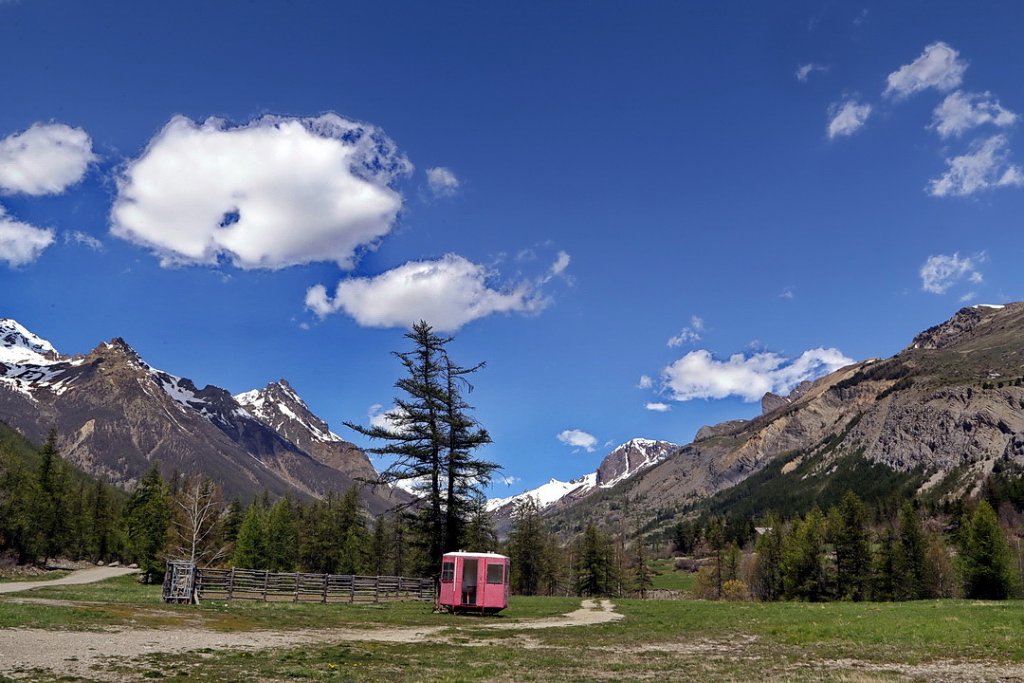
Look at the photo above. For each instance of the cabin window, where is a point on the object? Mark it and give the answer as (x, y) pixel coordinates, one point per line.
(447, 572)
(495, 573)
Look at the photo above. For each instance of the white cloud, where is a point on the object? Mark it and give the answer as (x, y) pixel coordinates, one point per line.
(447, 293)
(967, 297)
(578, 439)
(846, 118)
(961, 111)
(442, 182)
(985, 166)
(385, 419)
(45, 159)
(938, 67)
(21, 243)
(645, 382)
(272, 193)
(508, 480)
(659, 407)
(560, 264)
(787, 294)
(688, 334)
(804, 71)
(699, 375)
(940, 272)
(84, 239)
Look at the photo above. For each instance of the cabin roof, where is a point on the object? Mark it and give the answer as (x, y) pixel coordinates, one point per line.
(489, 555)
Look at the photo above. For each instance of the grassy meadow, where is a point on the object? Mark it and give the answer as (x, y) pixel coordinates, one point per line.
(677, 640)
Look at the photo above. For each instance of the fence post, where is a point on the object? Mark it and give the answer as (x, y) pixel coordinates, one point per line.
(266, 581)
(326, 577)
(231, 584)
(296, 588)
(352, 590)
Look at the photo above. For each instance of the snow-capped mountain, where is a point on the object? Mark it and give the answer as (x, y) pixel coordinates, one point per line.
(115, 414)
(619, 465)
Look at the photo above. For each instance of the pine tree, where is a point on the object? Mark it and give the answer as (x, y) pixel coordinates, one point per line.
(431, 438)
(911, 571)
(849, 535)
(479, 534)
(251, 544)
(985, 557)
(233, 520)
(642, 579)
(595, 573)
(804, 559)
(51, 514)
(282, 534)
(714, 534)
(527, 544)
(768, 581)
(354, 539)
(147, 518)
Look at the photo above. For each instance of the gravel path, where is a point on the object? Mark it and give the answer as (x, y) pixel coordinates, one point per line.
(76, 652)
(73, 579)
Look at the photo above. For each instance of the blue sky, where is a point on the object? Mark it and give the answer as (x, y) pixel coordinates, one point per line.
(720, 197)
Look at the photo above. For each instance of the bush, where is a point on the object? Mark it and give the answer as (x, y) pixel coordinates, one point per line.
(735, 590)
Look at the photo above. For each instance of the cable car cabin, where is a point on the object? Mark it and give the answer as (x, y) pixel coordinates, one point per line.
(472, 582)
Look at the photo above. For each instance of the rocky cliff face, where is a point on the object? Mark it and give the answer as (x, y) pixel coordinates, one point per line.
(115, 415)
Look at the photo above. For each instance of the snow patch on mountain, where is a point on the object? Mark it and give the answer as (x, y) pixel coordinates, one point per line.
(549, 493)
(19, 346)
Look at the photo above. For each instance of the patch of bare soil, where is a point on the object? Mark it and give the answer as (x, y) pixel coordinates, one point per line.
(77, 652)
(82, 576)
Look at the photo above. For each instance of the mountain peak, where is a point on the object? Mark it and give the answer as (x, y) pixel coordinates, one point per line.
(278, 405)
(19, 345)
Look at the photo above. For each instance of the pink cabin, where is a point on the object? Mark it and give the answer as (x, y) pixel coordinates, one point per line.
(473, 582)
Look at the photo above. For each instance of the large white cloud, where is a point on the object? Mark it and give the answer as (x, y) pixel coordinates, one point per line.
(939, 66)
(986, 166)
(699, 375)
(448, 293)
(846, 118)
(21, 243)
(272, 193)
(940, 272)
(578, 439)
(961, 111)
(45, 159)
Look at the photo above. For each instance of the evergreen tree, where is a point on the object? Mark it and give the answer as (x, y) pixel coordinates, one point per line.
(642, 579)
(51, 514)
(806, 577)
(849, 534)
(985, 557)
(479, 533)
(714, 534)
(431, 438)
(354, 539)
(103, 538)
(233, 520)
(527, 548)
(887, 562)
(595, 573)
(910, 567)
(768, 581)
(147, 518)
(251, 544)
(684, 537)
(282, 536)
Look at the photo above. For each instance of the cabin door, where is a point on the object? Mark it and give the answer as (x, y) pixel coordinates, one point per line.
(469, 579)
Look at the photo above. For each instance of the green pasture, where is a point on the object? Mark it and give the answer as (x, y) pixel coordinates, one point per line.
(677, 640)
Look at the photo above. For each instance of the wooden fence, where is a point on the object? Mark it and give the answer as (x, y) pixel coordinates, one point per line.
(249, 584)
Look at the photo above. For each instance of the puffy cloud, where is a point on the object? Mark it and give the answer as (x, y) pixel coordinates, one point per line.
(272, 193)
(939, 66)
(699, 375)
(508, 480)
(45, 159)
(560, 264)
(659, 407)
(21, 243)
(447, 293)
(941, 272)
(804, 71)
(442, 182)
(645, 382)
(846, 118)
(688, 334)
(578, 439)
(962, 111)
(985, 166)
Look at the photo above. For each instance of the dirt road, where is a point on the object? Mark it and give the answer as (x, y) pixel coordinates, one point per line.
(75, 652)
(73, 579)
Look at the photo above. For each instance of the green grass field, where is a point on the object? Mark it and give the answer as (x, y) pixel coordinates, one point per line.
(677, 640)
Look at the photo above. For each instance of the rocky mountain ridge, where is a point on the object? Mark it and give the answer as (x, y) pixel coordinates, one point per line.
(115, 415)
(949, 407)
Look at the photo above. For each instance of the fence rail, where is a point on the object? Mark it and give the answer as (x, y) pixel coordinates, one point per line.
(249, 584)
